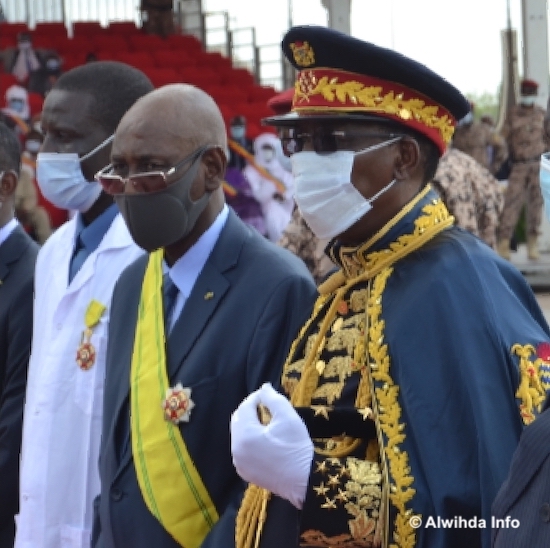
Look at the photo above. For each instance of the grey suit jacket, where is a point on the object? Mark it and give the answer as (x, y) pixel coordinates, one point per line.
(222, 347)
(17, 258)
(525, 495)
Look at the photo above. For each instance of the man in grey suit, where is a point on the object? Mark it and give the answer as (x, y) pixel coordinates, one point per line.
(17, 257)
(201, 321)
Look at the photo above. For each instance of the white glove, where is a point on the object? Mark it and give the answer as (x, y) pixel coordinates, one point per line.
(276, 456)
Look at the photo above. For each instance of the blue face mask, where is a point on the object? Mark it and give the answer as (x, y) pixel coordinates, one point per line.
(238, 132)
(544, 178)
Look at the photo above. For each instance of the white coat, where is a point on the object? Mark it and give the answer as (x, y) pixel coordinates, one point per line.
(63, 408)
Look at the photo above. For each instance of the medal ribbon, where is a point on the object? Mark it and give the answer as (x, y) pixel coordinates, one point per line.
(85, 354)
(167, 476)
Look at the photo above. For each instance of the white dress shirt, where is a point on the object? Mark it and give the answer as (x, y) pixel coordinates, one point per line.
(186, 270)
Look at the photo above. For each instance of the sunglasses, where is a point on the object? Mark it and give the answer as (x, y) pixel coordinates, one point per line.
(150, 181)
(326, 141)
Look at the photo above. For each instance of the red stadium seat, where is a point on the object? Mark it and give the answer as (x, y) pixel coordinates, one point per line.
(202, 77)
(238, 76)
(109, 41)
(54, 29)
(36, 101)
(87, 28)
(122, 28)
(173, 59)
(7, 41)
(6, 80)
(138, 59)
(13, 29)
(146, 42)
(162, 76)
(261, 94)
(184, 42)
(218, 61)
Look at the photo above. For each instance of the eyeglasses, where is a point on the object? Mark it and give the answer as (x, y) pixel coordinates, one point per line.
(150, 181)
(327, 141)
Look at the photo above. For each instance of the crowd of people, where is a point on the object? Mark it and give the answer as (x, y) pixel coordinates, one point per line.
(307, 339)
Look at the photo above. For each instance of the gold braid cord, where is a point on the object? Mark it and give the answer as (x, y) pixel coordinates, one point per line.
(376, 384)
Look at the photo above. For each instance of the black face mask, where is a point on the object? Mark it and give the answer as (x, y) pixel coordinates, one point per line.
(159, 219)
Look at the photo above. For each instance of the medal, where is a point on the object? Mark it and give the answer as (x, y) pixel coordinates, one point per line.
(85, 353)
(178, 404)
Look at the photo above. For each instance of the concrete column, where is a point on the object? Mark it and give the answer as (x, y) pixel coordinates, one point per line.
(535, 67)
(338, 14)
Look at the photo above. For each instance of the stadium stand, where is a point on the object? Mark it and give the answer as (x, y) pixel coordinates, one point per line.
(177, 58)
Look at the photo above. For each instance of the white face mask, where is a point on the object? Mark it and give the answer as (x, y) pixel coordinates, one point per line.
(544, 178)
(62, 182)
(325, 195)
(528, 100)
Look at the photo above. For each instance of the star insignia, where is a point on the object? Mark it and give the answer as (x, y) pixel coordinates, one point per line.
(333, 480)
(322, 489)
(344, 472)
(321, 467)
(341, 496)
(320, 410)
(329, 504)
(177, 404)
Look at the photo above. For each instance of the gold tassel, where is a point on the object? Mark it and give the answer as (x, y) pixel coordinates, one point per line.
(251, 517)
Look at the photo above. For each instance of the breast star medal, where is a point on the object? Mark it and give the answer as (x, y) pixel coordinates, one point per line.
(85, 353)
(178, 404)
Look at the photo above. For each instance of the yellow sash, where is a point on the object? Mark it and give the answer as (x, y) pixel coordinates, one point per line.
(168, 479)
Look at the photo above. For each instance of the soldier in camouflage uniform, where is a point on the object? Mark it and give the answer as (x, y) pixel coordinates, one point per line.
(471, 194)
(524, 132)
(481, 142)
(298, 238)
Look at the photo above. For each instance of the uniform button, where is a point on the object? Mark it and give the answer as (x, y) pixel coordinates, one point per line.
(545, 512)
(116, 494)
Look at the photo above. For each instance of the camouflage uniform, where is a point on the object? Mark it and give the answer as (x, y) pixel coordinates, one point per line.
(524, 132)
(298, 238)
(482, 143)
(471, 193)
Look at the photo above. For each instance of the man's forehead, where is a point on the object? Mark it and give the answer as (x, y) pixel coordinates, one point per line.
(70, 105)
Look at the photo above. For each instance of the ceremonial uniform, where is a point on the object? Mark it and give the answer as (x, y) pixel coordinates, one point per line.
(472, 195)
(524, 132)
(418, 346)
(482, 143)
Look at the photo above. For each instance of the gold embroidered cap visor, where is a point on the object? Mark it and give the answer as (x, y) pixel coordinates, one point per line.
(341, 74)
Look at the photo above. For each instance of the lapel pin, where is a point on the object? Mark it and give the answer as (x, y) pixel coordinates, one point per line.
(208, 296)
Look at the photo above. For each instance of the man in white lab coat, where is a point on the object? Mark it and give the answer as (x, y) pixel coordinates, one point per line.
(75, 274)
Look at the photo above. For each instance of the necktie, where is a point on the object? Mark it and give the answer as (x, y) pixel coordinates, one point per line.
(79, 256)
(170, 294)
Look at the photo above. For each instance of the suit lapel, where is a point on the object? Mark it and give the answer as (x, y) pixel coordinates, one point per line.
(205, 297)
(10, 251)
